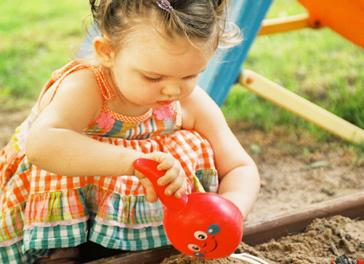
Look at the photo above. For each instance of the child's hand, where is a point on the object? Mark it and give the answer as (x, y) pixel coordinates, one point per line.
(174, 178)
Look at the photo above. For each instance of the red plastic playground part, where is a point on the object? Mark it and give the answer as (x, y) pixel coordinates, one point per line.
(344, 17)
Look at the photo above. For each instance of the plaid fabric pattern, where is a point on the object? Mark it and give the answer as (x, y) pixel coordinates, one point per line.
(11, 224)
(208, 179)
(43, 210)
(14, 254)
(128, 210)
(59, 236)
(128, 238)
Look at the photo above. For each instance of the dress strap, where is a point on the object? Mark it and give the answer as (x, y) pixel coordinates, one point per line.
(103, 82)
(59, 75)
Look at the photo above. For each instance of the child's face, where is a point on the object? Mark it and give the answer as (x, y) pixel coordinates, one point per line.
(150, 71)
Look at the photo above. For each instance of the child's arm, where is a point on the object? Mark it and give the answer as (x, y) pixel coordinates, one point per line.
(55, 142)
(239, 177)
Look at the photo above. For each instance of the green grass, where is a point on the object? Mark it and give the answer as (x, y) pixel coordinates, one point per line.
(36, 37)
(316, 64)
(39, 36)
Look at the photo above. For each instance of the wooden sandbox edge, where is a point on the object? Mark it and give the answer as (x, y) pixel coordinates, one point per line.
(256, 232)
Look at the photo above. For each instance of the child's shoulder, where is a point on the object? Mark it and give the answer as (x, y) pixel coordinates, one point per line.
(198, 105)
(74, 87)
(83, 79)
(199, 101)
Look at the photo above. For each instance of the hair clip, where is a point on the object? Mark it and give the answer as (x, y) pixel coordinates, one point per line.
(165, 5)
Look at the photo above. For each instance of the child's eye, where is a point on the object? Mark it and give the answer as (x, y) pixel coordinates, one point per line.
(190, 77)
(152, 79)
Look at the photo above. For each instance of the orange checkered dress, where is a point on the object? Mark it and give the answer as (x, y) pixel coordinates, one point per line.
(40, 210)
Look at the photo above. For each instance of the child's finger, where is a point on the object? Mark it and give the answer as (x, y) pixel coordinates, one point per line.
(151, 196)
(175, 185)
(166, 163)
(167, 178)
(150, 193)
(181, 191)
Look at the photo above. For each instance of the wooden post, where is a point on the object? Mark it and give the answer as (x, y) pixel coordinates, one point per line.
(285, 24)
(300, 106)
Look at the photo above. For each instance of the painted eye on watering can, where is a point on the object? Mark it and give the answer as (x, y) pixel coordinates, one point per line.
(213, 229)
(199, 254)
(199, 235)
(193, 247)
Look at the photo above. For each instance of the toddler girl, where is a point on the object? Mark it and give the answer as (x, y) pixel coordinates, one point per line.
(66, 176)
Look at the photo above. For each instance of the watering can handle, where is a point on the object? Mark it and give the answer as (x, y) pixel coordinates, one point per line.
(148, 168)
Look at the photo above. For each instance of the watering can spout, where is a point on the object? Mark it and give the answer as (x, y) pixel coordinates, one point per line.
(149, 168)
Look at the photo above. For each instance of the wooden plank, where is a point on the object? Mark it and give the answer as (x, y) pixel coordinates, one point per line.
(257, 232)
(285, 24)
(153, 256)
(301, 106)
(351, 206)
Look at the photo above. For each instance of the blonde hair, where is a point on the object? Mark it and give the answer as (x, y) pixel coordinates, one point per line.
(196, 19)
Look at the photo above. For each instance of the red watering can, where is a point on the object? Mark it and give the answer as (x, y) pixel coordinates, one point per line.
(198, 224)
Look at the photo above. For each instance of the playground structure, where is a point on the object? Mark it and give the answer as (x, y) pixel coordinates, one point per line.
(344, 17)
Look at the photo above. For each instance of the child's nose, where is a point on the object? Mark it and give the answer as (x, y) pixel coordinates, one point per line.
(171, 90)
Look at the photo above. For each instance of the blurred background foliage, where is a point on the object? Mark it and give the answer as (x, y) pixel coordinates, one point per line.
(39, 36)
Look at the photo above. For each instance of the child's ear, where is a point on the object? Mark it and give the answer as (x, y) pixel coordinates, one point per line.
(104, 51)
